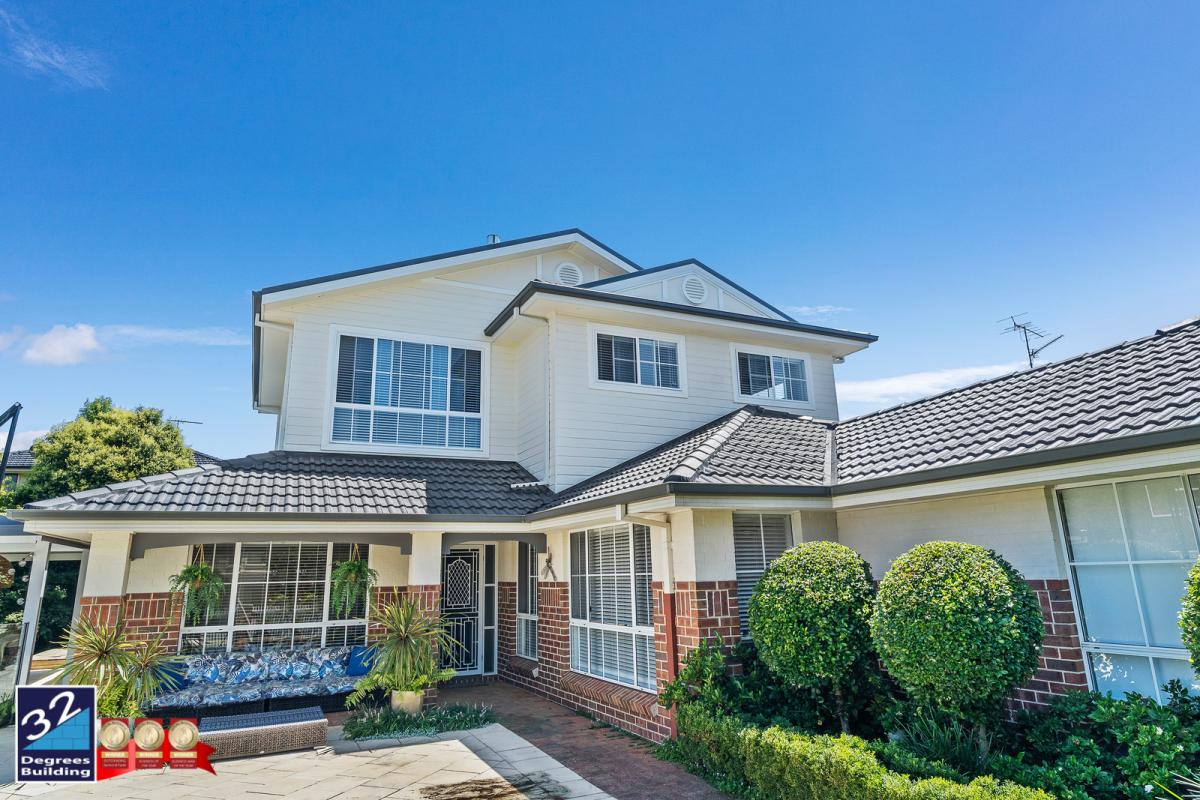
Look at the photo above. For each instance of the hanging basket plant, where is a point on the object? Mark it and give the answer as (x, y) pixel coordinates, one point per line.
(349, 583)
(201, 586)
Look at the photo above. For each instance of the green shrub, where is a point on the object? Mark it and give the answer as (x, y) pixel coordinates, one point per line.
(810, 618)
(1189, 616)
(375, 722)
(958, 628)
(1088, 746)
(779, 764)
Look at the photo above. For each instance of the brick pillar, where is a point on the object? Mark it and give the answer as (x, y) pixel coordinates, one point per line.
(554, 631)
(506, 621)
(148, 614)
(428, 597)
(105, 610)
(1062, 667)
(381, 596)
(704, 609)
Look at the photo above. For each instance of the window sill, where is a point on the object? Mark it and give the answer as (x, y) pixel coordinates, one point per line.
(639, 702)
(522, 665)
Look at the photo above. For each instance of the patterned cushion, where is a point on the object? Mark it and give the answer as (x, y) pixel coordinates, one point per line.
(222, 679)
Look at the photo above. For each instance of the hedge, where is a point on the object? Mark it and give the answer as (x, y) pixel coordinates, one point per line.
(1189, 616)
(780, 764)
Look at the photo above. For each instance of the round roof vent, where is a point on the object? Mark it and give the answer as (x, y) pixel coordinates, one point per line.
(568, 274)
(695, 290)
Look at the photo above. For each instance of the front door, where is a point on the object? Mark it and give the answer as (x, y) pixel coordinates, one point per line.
(462, 585)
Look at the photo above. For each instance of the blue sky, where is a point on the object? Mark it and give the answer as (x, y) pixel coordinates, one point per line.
(916, 170)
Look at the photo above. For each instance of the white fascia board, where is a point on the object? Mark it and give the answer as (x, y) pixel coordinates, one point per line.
(764, 504)
(602, 515)
(437, 264)
(1175, 458)
(542, 305)
(81, 528)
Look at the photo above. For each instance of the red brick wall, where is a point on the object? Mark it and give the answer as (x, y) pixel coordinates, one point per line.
(506, 623)
(1062, 668)
(101, 609)
(381, 595)
(151, 613)
(703, 610)
(428, 596)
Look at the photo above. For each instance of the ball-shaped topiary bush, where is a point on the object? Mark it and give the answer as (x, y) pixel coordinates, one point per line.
(1189, 617)
(810, 617)
(957, 627)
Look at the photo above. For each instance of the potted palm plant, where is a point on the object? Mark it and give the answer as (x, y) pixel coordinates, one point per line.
(405, 660)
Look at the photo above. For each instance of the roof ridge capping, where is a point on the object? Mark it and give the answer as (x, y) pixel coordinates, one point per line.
(1166, 330)
(694, 461)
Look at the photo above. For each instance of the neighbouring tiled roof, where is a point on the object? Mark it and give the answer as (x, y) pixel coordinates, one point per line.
(23, 459)
(749, 446)
(328, 483)
(1143, 386)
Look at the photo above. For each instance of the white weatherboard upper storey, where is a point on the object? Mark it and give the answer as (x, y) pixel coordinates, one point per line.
(543, 406)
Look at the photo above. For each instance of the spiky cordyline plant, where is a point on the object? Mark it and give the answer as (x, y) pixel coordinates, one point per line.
(349, 582)
(154, 669)
(1188, 781)
(405, 657)
(103, 655)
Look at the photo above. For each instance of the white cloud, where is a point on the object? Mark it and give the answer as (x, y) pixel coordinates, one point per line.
(63, 345)
(73, 344)
(24, 439)
(132, 335)
(63, 62)
(816, 311)
(879, 392)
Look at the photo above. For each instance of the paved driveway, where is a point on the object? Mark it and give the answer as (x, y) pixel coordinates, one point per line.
(490, 763)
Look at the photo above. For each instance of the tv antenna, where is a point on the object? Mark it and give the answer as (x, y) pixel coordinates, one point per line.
(1031, 334)
(185, 422)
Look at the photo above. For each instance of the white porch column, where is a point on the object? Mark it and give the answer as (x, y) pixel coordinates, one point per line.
(33, 609)
(104, 582)
(425, 570)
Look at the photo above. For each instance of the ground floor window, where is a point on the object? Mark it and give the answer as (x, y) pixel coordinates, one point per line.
(758, 539)
(276, 597)
(612, 605)
(527, 601)
(1130, 545)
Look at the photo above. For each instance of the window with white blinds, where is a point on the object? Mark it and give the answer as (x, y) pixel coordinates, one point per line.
(772, 376)
(612, 605)
(527, 601)
(276, 597)
(758, 539)
(629, 359)
(406, 393)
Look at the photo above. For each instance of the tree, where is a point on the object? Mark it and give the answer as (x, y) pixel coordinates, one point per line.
(958, 628)
(810, 618)
(104, 444)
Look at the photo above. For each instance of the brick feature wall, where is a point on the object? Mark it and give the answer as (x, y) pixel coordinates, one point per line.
(152, 613)
(1062, 667)
(506, 622)
(428, 597)
(630, 709)
(105, 610)
(703, 610)
(381, 596)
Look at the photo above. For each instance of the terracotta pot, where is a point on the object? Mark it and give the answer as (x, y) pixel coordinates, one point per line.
(408, 702)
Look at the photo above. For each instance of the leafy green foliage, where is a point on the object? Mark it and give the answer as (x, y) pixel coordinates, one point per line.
(780, 764)
(57, 601)
(380, 721)
(945, 740)
(810, 618)
(1088, 746)
(349, 582)
(1189, 616)
(405, 655)
(958, 628)
(104, 444)
(7, 709)
(202, 588)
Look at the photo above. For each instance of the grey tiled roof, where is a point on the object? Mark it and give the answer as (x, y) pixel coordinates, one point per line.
(749, 446)
(1144, 386)
(327, 483)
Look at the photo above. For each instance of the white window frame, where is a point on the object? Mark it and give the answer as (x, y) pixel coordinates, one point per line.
(327, 441)
(523, 645)
(759, 350)
(1149, 652)
(230, 628)
(635, 630)
(594, 382)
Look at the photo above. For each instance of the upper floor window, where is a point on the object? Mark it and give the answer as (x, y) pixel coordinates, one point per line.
(628, 359)
(772, 376)
(407, 393)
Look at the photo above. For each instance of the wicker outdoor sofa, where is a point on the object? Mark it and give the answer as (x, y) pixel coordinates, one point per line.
(221, 684)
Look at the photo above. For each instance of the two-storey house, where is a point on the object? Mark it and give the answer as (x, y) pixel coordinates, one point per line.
(585, 465)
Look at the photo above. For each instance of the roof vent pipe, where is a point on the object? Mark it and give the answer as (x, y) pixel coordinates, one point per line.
(493, 238)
